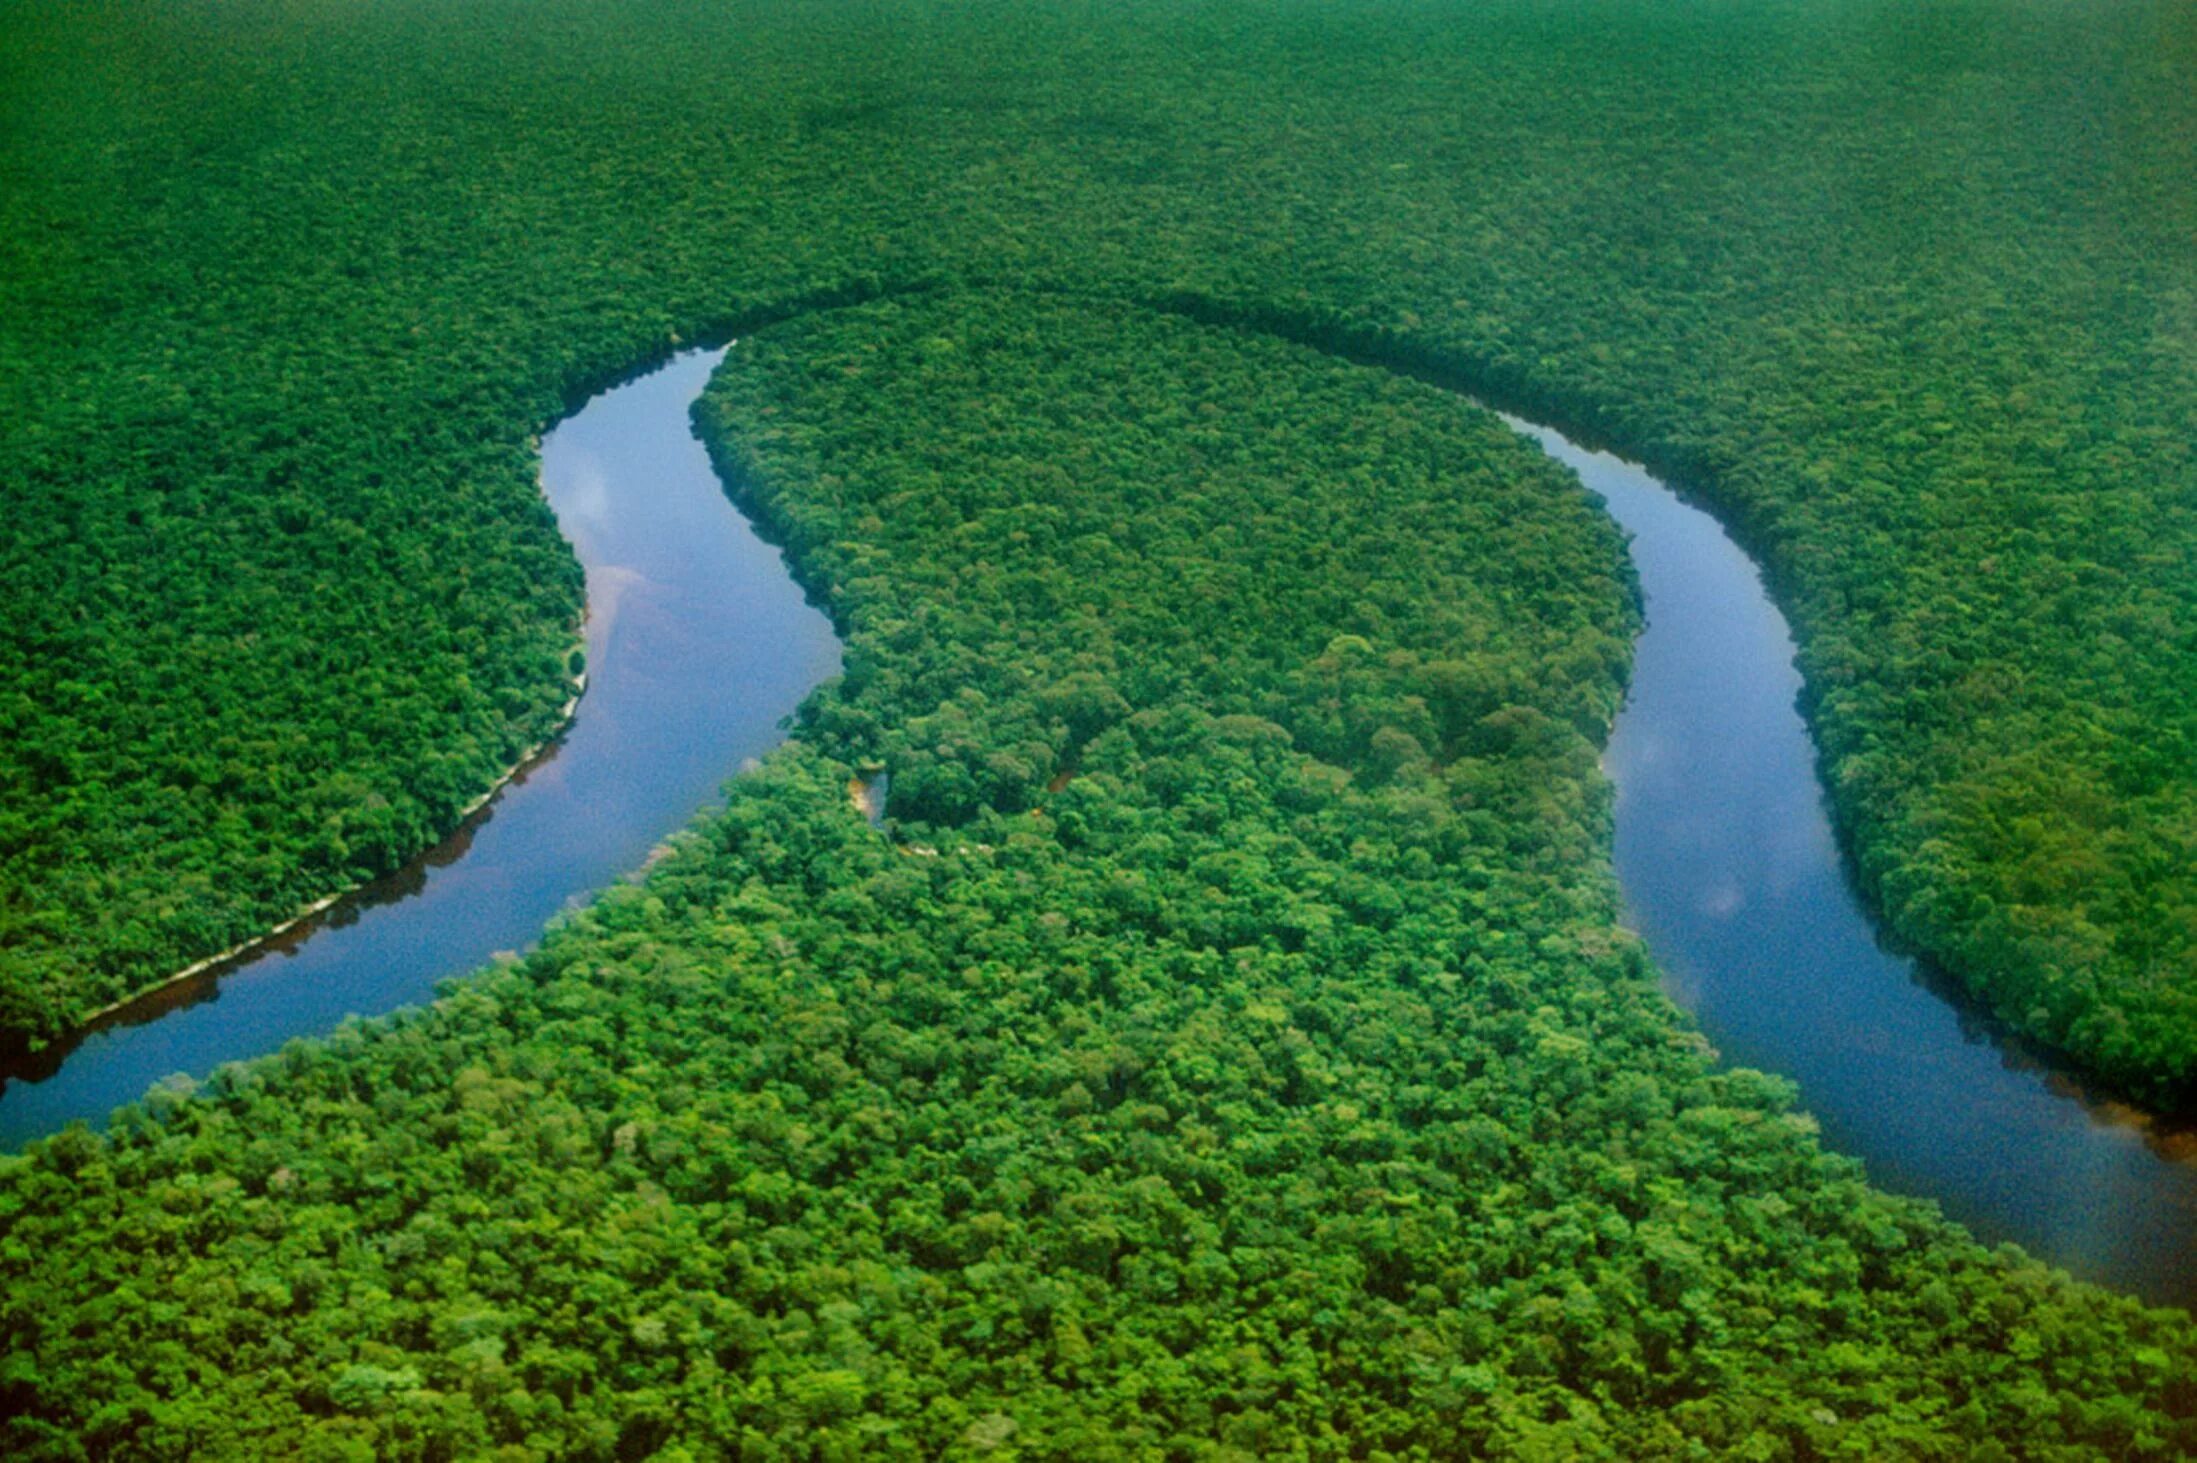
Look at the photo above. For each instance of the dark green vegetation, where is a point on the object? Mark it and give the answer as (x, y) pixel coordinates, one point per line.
(1282, 1072)
(1228, 1055)
(288, 285)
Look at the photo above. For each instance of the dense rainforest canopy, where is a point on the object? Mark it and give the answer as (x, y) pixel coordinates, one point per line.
(1228, 1052)
(1274, 1082)
(291, 284)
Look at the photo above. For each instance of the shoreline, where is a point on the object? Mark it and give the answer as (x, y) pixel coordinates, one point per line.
(549, 833)
(85, 1024)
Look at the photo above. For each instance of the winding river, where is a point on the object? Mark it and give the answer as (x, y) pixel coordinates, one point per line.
(1730, 873)
(699, 643)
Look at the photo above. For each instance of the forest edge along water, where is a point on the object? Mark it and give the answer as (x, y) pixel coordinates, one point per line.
(1730, 872)
(700, 642)
(698, 645)
(195, 982)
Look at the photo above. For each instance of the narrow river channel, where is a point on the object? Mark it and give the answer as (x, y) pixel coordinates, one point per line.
(698, 644)
(1730, 873)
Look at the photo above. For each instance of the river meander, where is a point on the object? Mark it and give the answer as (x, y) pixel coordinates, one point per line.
(1730, 873)
(699, 643)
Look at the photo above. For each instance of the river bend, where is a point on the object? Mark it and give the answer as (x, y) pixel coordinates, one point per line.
(699, 644)
(1730, 873)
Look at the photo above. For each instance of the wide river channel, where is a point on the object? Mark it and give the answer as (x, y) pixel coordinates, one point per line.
(699, 644)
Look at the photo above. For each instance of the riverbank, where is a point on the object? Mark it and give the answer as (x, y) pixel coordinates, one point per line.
(685, 600)
(264, 938)
(1734, 878)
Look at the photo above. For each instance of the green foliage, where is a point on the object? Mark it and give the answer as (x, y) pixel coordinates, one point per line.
(1271, 1084)
(289, 284)
(1231, 1055)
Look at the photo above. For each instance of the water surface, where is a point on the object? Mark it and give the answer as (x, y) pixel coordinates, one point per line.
(698, 643)
(1730, 873)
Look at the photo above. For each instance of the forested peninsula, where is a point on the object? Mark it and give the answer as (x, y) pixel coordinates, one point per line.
(1228, 1049)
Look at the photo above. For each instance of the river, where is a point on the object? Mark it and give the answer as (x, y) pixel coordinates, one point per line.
(699, 643)
(1730, 873)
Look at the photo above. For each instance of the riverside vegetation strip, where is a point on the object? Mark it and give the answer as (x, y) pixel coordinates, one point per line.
(1909, 299)
(1275, 1085)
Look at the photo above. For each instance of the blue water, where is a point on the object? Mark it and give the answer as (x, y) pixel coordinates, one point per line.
(698, 644)
(1730, 873)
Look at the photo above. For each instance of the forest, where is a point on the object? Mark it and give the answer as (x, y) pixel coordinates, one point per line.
(1225, 1052)
(1230, 1050)
(293, 287)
